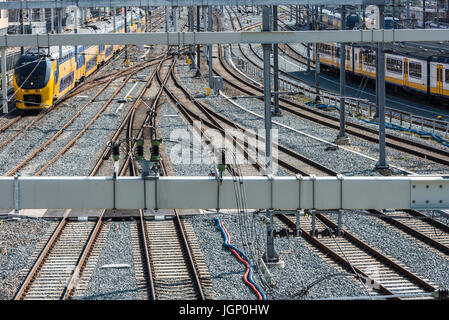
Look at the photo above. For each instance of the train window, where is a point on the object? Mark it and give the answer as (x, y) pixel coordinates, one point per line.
(66, 81)
(414, 70)
(446, 75)
(369, 59)
(394, 65)
(92, 62)
(325, 48)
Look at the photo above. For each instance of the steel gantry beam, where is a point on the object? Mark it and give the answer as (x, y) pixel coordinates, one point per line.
(201, 38)
(40, 4)
(268, 192)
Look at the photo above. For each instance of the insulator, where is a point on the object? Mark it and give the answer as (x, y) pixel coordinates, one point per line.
(139, 151)
(115, 151)
(443, 294)
(155, 153)
(223, 157)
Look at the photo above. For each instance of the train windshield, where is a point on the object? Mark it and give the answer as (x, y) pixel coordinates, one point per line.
(32, 72)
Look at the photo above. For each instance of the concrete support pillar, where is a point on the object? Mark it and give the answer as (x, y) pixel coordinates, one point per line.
(277, 111)
(382, 163)
(4, 81)
(342, 137)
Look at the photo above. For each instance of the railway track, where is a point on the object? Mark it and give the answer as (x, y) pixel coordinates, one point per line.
(416, 226)
(368, 134)
(378, 273)
(54, 274)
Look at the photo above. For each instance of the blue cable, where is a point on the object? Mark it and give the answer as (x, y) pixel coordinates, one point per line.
(392, 126)
(250, 275)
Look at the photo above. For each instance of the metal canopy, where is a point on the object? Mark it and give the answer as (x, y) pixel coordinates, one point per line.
(192, 38)
(146, 3)
(286, 192)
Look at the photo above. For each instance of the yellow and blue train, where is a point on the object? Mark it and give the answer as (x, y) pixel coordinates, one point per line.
(41, 76)
(411, 67)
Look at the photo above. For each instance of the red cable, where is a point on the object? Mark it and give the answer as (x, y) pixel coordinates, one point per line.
(245, 276)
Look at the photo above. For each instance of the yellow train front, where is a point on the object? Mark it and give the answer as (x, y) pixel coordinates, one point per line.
(34, 81)
(40, 77)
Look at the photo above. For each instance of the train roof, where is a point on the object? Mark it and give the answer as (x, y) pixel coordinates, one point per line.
(100, 26)
(417, 52)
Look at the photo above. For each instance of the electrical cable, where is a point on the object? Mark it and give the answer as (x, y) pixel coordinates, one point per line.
(242, 258)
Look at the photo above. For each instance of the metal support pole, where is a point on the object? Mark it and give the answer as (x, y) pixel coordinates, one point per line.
(126, 30)
(4, 81)
(22, 29)
(192, 29)
(209, 47)
(342, 138)
(271, 256)
(340, 222)
(114, 19)
(308, 44)
(175, 25)
(267, 89)
(438, 14)
(296, 15)
(317, 63)
(204, 16)
(298, 221)
(407, 12)
(423, 14)
(198, 50)
(60, 29)
(75, 30)
(166, 19)
(52, 20)
(277, 111)
(382, 164)
(313, 223)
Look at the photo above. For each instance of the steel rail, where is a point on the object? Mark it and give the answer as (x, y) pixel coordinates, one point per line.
(40, 259)
(83, 257)
(180, 225)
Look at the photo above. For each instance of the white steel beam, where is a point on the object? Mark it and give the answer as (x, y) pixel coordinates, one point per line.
(193, 38)
(39, 4)
(422, 192)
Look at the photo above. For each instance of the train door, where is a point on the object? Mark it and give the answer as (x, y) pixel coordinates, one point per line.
(405, 72)
(439, 79)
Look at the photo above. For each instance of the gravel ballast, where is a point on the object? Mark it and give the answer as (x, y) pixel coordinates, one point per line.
(18, 241)
(300, 263)
(114, 283)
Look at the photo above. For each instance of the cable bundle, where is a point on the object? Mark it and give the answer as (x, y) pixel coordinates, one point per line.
(392, 126)
(248, 276)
